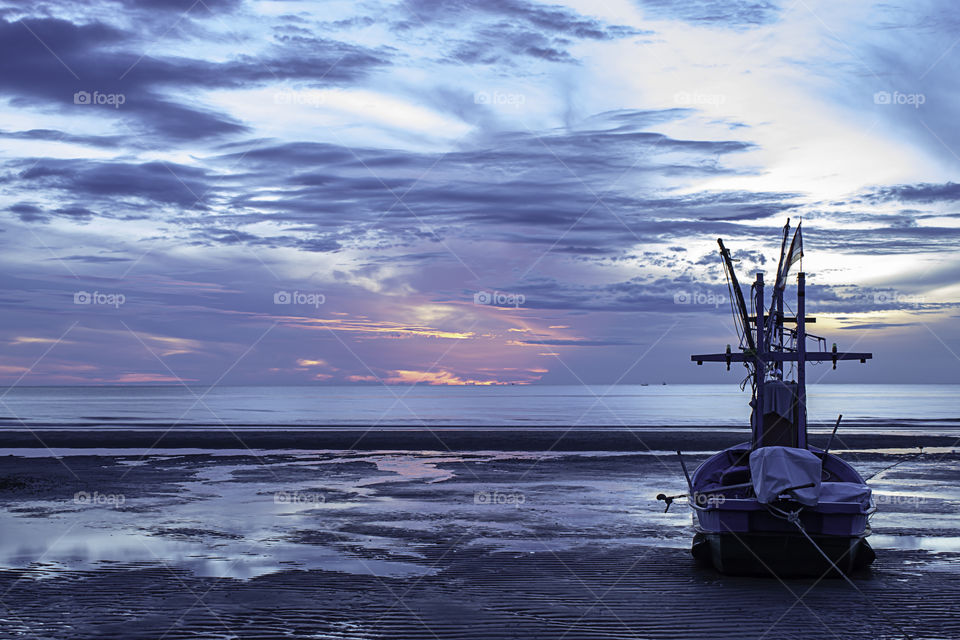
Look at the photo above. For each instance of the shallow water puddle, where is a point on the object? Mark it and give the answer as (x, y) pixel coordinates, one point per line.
(84, 539)
(216, 527)
(934, 544)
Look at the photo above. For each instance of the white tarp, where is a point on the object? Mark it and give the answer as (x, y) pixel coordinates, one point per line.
(845, 492)
(775, 469)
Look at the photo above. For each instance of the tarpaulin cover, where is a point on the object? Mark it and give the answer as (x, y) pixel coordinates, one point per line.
(845, 492)
(776, 469)
(779, 397)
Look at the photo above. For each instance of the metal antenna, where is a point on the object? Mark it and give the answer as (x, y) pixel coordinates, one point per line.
(835, 427)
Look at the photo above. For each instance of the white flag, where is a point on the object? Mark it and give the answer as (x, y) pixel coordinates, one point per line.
(796, 250)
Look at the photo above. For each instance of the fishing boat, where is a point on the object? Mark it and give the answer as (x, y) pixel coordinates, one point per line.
(777, 504)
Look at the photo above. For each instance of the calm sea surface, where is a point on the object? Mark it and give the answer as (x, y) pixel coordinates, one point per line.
(530, 406)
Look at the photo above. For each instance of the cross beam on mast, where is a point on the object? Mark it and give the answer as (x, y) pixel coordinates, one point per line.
(815, 356)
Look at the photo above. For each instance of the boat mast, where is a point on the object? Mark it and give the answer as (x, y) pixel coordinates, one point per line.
(760, 363)
(802, 360)
(775, 322)
(737, 294)
(764, 337)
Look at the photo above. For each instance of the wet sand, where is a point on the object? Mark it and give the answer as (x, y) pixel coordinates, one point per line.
(454, 540)
(454, 438)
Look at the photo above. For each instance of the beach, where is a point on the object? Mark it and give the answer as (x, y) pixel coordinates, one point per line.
(448, 533)
(410, 320)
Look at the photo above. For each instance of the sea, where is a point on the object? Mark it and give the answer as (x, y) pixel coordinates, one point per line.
(934, 408)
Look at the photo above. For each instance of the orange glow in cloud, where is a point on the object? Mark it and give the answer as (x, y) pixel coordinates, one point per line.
(402, 376)
(32, 340)
(11, 369)
(148, 377)
(494, 343)
(388, 329)
(311, 363)
(440, 378)
(362, 379)
(173, 346)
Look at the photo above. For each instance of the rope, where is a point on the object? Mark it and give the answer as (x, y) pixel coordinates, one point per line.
(736, 316)
(910, 457)
(737, 323)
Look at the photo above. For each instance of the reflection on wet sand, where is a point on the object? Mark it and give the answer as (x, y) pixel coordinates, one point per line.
(455, 523)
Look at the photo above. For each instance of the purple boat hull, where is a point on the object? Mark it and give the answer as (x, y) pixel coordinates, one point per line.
(737, 534)
(782, 555)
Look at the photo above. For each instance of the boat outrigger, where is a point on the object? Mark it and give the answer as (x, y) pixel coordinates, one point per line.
(777, 504)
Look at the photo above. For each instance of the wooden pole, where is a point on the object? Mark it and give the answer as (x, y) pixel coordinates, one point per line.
(760, 366)
(802, 360)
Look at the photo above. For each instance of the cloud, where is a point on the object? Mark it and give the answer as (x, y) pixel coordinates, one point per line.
(145, 378)
(180, 6)
(501, 31)
(878, 325)
(918, 193)
(718, 13)
(574, 343)
(92, 259)
(28, 212)
(446, 378)
(365, 197)
(110, 142)
(155, 182)
(64, 66)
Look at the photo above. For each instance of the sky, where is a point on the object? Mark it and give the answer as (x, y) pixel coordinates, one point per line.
(490, 191)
